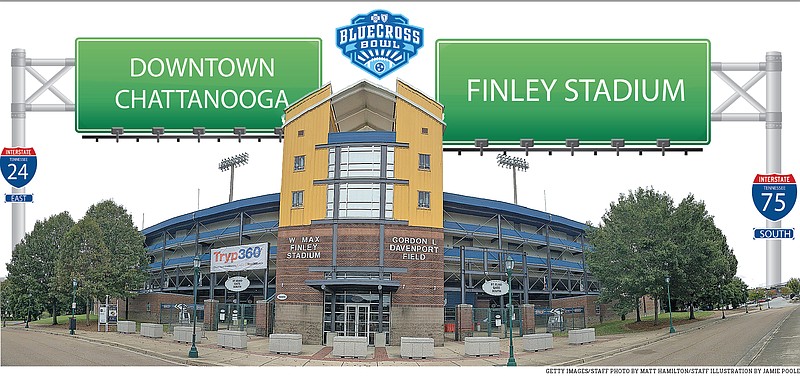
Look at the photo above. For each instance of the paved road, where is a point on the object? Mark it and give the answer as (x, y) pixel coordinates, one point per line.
(725, 343)
(19, 347)
(782, 348)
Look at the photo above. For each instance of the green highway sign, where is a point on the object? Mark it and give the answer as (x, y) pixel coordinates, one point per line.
(183, 83)
(591, 90)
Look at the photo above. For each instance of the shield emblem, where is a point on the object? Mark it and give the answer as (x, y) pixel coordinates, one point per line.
(18, 165)
(774, 195)
(384, 17)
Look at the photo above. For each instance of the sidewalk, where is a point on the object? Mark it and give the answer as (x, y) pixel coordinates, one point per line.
(451, 354)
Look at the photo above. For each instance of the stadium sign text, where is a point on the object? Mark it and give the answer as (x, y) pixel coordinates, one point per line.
(591, 90)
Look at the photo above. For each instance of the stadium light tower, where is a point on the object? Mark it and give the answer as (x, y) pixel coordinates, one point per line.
(232, 163)
(512, 163)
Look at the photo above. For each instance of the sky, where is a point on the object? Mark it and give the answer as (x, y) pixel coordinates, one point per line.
(157, 181)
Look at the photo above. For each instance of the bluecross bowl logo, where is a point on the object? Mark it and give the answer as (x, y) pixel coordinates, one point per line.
(379, 42)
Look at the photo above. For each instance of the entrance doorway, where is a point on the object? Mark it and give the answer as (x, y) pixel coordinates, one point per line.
(357, 313)
(356, 320)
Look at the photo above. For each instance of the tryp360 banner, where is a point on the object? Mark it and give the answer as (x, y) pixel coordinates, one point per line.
(239, 258)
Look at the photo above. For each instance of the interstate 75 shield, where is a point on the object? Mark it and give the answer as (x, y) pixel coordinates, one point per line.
(774, 195)
(18, 165)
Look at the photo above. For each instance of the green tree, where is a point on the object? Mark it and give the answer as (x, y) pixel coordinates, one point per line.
(794, 285)
(630, 246)
(756, 294)
(736, 292)
(126, 247)
(32, 267)
(87, 260)
(644, 238)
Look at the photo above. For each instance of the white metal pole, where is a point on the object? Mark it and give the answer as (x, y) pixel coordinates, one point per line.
(773, 126)
(17, 137)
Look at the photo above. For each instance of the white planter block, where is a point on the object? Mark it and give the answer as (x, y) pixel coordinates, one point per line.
(479, 346)
(126, 327)
(182, 334)
(285, 343)
(536, 342)
(350, 346)
(151, 330)
(416, 347)
(581, 336)
(232, 338)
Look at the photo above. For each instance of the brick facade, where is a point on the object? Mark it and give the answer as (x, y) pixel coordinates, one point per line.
(417, 306)
(528, 319)
(263, 311)
(464, 324)
(147, 307)
(304, 319)
(210, 310)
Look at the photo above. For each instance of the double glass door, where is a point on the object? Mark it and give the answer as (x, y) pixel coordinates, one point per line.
(356, 320)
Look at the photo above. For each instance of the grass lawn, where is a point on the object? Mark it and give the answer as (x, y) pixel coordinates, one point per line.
(630, 325)
(64, 319)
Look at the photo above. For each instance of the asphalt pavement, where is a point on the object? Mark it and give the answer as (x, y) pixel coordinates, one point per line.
(450, 354)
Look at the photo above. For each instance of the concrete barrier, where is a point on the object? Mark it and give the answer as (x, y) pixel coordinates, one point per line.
(350, 346)
(285, 343)
(479, 346)
(232, 338)
(380, 339)
(536, 342)
(182, 334)
(126, 327)
(416, 347)
(581, 336)
(151, 330)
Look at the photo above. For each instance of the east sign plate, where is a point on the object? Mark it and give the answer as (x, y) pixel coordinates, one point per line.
(591, 90)
(180, 84)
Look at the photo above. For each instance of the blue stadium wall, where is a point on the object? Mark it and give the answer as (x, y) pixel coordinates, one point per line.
(478, 236)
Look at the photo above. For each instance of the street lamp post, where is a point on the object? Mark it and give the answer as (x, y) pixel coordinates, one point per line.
(193, 350)
(72, 322)
(28, 318)
(511, 361)
(721, 306)
(513, 163)
(669, 303)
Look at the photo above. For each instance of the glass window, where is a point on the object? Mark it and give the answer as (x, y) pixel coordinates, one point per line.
(424, 161)
(360, 162)
(299, 163)
(297, 199)
(424, 199)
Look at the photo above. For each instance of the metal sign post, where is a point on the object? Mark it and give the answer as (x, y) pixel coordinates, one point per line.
(772, 115)
(20, 64)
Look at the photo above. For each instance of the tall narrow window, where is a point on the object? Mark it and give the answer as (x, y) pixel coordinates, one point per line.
(297, 198)
(299, 163)
(424, 161)
(424, 199)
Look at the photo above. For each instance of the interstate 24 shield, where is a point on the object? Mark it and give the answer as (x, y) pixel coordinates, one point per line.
(774, 195)
(18, 165)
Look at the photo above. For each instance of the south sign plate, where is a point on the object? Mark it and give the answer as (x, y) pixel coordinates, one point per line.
(237, 283)
(18, 165)
(774, 195)
(495, 287)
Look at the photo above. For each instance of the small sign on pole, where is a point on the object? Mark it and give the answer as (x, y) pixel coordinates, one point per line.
(495, 287)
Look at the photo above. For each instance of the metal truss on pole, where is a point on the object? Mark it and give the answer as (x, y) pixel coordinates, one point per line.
(20, 106)
(771, 114)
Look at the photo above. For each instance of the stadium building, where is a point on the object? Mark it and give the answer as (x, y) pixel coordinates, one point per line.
(362, 239)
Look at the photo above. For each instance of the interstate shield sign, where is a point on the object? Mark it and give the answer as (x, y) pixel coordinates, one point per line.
(774, 195)
(18, 165)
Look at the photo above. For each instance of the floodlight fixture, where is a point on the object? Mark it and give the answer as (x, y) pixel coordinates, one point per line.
(232, 163)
